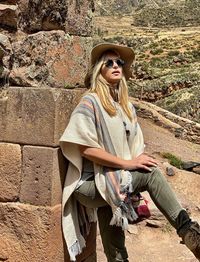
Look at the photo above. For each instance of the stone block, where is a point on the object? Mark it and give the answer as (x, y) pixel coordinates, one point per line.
(75, 17)
(8, 15)
(36, 116)
(43, 174)
(10, 172)
(51, 58)
(30, 233)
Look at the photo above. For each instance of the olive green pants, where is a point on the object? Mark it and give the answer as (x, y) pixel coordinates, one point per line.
(113, 237)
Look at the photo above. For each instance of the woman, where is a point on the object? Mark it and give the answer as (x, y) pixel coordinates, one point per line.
(107, 164)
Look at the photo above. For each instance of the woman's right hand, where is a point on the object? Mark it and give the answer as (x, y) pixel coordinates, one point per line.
(142, 161)
(101, 157)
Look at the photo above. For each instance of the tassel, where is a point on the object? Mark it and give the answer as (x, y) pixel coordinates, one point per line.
(74, 250)
(119, 219)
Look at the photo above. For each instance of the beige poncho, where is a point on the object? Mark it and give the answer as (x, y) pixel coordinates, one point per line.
(91, 125)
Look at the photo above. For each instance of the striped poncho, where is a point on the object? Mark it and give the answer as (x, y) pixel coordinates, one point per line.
(90, 125)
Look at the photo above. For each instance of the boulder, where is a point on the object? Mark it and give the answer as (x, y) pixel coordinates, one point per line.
(53, 58)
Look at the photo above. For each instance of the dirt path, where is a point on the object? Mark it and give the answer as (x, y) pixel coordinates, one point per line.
(148, 244)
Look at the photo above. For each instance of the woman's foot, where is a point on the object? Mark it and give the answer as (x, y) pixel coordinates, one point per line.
(192, 239)
(189, 231)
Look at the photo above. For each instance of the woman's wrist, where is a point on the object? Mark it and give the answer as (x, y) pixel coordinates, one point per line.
(127, 164)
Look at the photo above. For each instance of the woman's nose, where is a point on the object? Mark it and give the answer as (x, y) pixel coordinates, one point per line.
(115, 65)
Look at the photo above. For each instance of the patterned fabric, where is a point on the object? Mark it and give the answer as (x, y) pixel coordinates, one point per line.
(118, 196)
(91, 125)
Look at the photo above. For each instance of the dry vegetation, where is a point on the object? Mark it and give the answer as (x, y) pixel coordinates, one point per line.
(167, 68)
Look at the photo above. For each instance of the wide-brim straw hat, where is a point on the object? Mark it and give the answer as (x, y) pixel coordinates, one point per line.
(126, 53)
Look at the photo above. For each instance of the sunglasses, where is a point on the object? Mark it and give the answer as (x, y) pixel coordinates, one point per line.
(110, 62)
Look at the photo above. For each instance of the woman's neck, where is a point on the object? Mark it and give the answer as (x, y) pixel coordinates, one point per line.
(114, 92)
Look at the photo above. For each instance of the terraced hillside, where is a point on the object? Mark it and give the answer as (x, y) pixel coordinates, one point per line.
(167, 67)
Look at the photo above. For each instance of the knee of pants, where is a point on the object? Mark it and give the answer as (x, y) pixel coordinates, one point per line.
(156, 174)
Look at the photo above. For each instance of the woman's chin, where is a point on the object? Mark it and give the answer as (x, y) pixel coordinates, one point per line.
(114, 81)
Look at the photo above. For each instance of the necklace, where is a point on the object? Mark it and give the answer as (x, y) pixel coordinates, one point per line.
(122, 116)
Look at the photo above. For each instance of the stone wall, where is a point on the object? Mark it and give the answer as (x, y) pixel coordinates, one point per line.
(181, 127)
(43, 56)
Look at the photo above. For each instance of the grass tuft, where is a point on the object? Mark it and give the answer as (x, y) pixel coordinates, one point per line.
(173, 160)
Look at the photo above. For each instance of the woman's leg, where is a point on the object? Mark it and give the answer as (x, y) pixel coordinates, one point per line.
(160, 191)
(113, 237)
(88, 195)
(164, 198)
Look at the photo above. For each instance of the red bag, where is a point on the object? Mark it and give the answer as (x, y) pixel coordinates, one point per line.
(143, 210)
(140, 205)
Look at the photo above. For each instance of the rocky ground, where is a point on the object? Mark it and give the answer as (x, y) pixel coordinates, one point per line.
(160, 242)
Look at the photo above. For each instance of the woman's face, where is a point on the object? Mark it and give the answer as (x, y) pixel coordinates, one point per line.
(111, 69)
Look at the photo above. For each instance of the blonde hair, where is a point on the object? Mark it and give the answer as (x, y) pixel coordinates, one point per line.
(100, 86)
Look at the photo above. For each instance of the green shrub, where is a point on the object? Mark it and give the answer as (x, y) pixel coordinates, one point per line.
(173, 53)
(173, 160)
(196, 53)
(156, 51)
(153, 45)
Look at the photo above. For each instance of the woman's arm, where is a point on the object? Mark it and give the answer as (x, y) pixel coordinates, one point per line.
(101, 157)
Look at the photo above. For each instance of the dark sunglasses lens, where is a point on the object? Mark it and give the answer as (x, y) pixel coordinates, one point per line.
(120, 62)
(109, 63)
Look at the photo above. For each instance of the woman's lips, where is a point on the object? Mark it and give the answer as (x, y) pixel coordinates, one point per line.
(115, 72)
